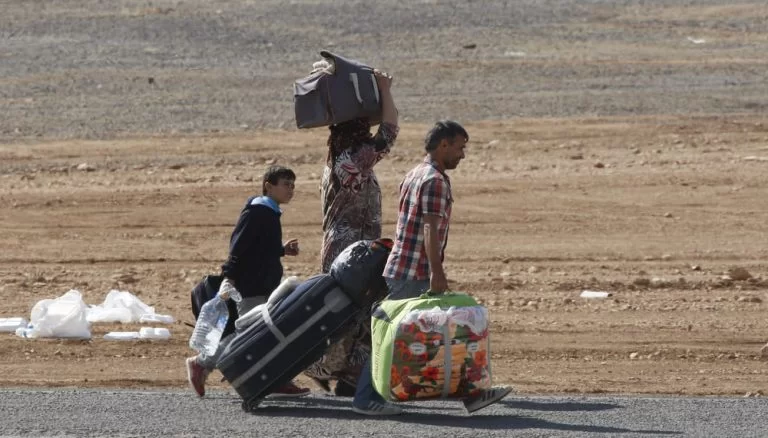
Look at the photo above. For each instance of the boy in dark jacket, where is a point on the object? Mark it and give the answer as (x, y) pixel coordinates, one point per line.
(253, 267)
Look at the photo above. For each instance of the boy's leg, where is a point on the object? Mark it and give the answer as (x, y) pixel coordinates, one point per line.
(199, 367)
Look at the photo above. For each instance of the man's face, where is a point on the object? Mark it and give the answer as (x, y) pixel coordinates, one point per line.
(454, 152)
(282, 192)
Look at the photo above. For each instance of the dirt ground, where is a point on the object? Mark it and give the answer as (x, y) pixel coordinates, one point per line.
(615, 146)
(655, 210)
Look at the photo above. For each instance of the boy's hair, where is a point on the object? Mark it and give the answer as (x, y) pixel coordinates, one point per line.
(275, 174)
(444, 129)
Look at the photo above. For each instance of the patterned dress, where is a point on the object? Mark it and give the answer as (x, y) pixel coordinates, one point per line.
(351, 195)
(351, 200)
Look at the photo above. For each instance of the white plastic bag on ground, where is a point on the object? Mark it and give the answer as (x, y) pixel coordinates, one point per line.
(144, 333)
(156, 317)
(11, 324)
(121, 336)
(62, 317)
(158, 333)
(119, 306)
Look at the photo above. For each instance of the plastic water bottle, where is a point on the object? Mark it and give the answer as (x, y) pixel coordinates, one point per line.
(211, 322)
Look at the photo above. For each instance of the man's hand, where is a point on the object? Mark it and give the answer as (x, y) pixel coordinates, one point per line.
(291, 247)
(437, 282)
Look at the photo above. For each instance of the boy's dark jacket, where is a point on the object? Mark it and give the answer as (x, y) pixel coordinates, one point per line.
(255, 249)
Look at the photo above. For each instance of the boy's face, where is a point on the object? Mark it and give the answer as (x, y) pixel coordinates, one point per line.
(282, 192)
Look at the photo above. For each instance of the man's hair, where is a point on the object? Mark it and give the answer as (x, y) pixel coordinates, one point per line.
(444, 129)
(275, 174)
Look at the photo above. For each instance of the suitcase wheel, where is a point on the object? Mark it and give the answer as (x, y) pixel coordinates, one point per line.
(250, 405)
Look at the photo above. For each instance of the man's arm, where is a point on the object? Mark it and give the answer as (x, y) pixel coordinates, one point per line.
(438, 283)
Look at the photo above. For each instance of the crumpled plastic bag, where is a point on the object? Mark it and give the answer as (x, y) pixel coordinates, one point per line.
(62, 317)
(119, 306)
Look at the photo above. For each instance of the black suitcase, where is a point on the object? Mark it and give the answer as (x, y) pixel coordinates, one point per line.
(287, 339)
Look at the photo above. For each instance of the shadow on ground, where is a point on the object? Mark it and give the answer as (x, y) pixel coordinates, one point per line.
(457, 417)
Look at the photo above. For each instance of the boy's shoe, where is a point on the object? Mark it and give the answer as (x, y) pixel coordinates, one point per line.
(289, 390)
(486, 398)
(376, 408)
(196, 376)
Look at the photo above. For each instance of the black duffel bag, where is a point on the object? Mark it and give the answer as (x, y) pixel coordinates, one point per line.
(358, 270)
(345, 91)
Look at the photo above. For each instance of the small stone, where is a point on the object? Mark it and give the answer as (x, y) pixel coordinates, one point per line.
(668, 214)
(599, 165)
(634, 355)
(533, 270)
(576, 157)
(85, 167)
(739, 274)
(666, 257)
(695, 268)
(641, 282)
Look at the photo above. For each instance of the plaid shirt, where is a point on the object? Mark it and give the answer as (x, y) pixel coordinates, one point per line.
(425, 191)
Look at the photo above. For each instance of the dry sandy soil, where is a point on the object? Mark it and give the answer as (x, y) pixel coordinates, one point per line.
(608, 151)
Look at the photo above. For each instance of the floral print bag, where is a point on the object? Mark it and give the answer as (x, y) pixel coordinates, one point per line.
(433, 346)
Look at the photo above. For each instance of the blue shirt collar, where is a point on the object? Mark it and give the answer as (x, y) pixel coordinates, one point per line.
(266, 200)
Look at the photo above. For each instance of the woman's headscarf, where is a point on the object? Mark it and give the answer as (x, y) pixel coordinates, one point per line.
(347, 135)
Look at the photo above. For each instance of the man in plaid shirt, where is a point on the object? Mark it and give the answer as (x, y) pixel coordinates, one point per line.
(415, 264)
(416, 261)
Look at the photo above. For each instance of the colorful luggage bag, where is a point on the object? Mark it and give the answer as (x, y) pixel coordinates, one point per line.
(429, 347)
(286, 339)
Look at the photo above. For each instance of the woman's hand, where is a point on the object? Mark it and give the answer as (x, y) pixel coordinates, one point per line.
(388, 109)
(383, 79)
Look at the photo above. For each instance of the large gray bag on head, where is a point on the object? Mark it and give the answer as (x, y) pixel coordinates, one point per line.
(344, 92)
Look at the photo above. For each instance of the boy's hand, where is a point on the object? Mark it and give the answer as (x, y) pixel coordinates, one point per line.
(227, 289)
(291, 247)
